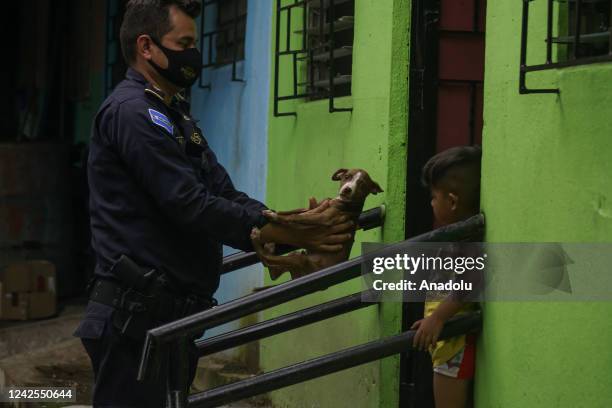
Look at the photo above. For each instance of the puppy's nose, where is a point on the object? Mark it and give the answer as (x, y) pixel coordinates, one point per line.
(348, 190)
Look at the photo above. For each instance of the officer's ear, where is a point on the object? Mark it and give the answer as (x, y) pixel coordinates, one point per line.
(144, 46)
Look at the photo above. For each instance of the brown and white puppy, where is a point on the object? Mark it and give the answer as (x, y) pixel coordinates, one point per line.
(355, 186)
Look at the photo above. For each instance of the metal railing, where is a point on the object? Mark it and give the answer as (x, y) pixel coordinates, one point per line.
(328, 364)
(176, 335)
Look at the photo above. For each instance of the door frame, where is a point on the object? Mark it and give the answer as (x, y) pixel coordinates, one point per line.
(416, 389)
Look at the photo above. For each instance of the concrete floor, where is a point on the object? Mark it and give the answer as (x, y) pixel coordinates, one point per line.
(44, 353)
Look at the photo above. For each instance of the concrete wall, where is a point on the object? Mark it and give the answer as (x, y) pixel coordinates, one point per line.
(86, 110)
(35, 207)
(90, 93)
(234, 119)
(303, 153)
(546, 177)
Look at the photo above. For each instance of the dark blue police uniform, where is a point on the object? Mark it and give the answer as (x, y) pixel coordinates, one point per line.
(158, 196)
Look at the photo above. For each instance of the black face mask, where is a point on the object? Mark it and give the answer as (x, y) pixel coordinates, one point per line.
(183, 66)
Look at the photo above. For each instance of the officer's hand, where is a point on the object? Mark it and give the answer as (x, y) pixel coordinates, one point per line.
(324, 238)
(312, 237)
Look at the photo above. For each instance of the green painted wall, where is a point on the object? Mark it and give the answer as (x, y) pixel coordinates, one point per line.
(303, 153)
(546, 177)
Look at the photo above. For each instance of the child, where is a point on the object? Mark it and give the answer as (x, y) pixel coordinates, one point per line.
(453, 176)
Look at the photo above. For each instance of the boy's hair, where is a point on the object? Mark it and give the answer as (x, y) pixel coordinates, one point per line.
(150, 17)
(457, 170)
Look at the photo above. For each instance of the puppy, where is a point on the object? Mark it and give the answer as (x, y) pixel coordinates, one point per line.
(355, 186)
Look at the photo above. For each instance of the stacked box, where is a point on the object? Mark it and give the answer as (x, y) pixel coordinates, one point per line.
(28, 290)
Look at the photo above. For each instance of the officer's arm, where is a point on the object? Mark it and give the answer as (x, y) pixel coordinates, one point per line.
(157, 162)
(225, 187)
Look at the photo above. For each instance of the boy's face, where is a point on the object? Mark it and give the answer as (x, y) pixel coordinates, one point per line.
(444, 205)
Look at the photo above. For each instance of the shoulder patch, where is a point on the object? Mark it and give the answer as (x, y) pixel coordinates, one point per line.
(161, 120)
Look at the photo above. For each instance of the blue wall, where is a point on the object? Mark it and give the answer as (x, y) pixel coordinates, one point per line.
(233, 117)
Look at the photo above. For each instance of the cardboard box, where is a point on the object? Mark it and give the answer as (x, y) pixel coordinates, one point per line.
(28, 305)
(16, 277)
(27, 290)
(28, 276)
(15, 306)
(41, 304)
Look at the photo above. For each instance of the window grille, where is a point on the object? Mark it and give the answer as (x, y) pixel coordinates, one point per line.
(576, 32)
(321, 68)
(223, 34)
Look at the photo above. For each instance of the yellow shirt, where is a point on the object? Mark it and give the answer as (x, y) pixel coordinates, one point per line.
(444, 350)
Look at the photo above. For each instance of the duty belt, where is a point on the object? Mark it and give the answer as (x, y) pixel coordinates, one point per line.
(165, 306)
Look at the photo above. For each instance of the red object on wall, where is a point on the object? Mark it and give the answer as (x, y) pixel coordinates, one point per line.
(460, 73)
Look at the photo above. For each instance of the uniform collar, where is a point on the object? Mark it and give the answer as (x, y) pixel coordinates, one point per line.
(134, 75)
(178, 100)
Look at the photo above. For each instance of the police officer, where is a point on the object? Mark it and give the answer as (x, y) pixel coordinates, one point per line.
(161, 205)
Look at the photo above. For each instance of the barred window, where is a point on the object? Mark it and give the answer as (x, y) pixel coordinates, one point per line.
(575, 32)
(317, 46)
(587, 29)
(231, 23)
(320, 39)
(223, 32)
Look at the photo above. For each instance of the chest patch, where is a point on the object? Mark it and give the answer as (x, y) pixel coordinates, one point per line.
(161, 120)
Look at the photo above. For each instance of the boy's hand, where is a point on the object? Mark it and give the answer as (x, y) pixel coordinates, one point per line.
(428, 331)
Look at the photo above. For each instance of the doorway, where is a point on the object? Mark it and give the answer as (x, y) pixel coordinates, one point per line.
(445, 110)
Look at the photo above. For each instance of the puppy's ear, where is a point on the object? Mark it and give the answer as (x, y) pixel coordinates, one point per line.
(375, 188)
(338, 174)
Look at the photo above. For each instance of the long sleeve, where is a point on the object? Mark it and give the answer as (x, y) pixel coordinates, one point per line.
(223, 183)
(157, 162)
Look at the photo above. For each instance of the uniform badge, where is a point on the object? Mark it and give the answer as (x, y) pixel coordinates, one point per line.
(196, 138)
(161, 120)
